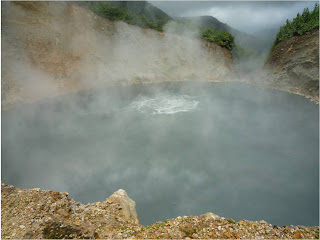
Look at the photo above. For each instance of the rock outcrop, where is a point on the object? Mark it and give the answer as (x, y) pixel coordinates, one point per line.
(127, 205)
(34, 213)
(293, 66)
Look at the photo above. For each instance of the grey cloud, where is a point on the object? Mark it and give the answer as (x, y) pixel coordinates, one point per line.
(244, 16)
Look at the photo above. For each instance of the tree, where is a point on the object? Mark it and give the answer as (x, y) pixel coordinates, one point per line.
(299, 25)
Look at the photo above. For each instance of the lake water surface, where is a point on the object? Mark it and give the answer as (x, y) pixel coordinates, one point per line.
(177, 149)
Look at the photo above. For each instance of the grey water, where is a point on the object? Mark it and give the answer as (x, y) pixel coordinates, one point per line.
(177, 149)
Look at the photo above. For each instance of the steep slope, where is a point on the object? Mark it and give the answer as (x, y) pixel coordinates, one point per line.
(210, 22)
(52, 48)
(143, 8)
(293, 66)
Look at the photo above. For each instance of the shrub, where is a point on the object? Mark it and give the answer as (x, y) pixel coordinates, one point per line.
(222, 38)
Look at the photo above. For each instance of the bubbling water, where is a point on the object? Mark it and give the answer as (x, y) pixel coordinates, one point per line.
(163, 104)
(177, 149)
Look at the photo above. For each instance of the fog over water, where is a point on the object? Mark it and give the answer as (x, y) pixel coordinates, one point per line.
(177, 149)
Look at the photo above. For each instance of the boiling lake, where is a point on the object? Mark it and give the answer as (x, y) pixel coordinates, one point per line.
(177, 149)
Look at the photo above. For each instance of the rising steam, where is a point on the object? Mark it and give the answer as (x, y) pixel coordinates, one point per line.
(192, 147)
(63, 47)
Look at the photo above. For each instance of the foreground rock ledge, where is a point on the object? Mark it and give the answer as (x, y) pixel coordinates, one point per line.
(31, 213)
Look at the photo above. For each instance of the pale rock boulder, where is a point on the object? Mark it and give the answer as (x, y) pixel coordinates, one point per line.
(210, 216)
(127, 205)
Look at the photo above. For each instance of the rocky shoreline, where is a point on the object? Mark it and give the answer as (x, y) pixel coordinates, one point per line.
(296, 91)
(35, 213)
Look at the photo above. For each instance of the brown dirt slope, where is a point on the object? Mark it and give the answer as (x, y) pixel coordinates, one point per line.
(293, 65)
(31, 213)
(49, 48)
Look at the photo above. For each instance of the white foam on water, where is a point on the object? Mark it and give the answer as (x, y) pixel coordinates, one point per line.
(164, 104)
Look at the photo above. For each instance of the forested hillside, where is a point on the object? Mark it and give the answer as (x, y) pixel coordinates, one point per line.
(300, 25)
(144, 15)
(141, 14)
(293, 62)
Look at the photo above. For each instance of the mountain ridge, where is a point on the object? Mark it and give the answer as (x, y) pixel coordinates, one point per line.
(241, 38)
(143, 8)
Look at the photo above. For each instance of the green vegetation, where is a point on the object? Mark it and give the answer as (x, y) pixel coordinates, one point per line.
(142, 8)
(231, 221)
(222, 38)
(132, 13)
(190, 28)
(119, 13)
(299, 25)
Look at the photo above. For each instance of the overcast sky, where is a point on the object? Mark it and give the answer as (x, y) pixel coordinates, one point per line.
(245, 16)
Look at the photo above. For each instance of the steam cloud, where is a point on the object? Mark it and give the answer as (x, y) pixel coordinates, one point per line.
(80, 138)
(76, 49)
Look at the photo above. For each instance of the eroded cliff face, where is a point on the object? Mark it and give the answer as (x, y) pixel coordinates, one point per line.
(49, 48)
(35, 213)
(293, 66)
